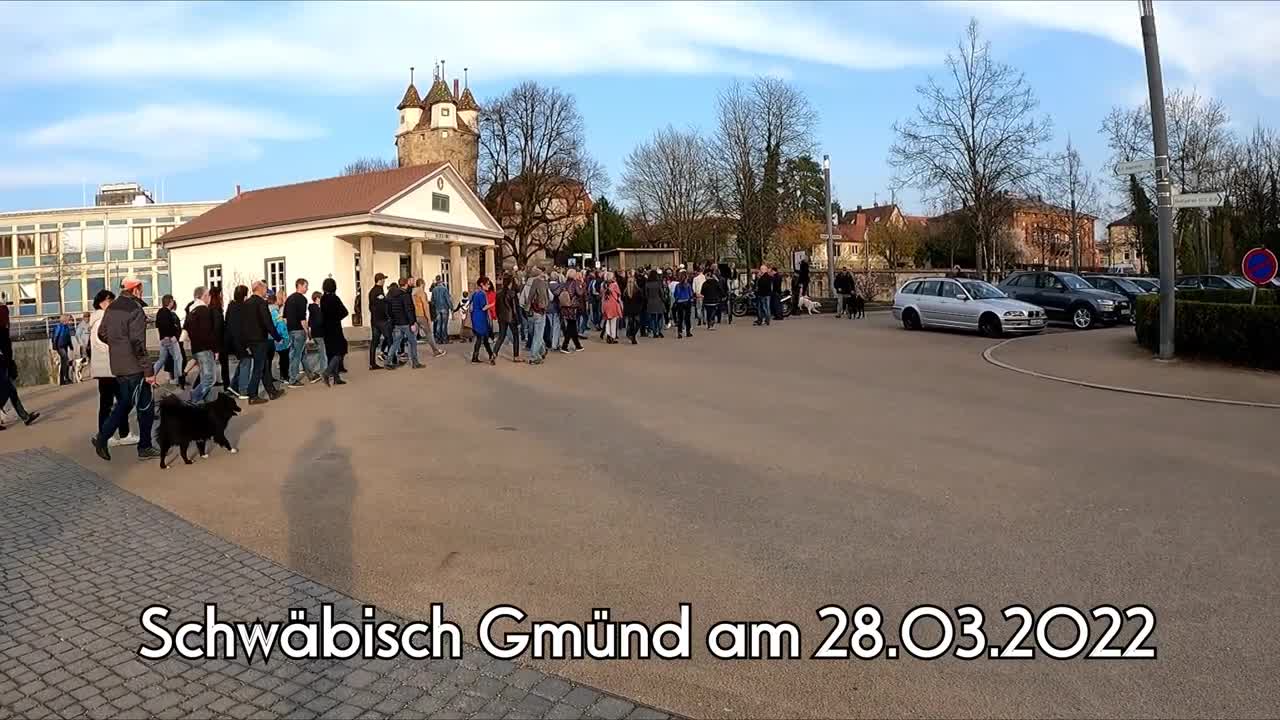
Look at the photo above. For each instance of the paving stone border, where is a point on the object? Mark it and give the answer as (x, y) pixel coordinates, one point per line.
(79, 560)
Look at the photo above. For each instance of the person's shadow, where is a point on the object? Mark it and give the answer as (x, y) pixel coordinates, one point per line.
(317, 497)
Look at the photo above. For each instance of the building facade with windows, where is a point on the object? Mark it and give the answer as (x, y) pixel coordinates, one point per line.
(55, 261)
(420, 220)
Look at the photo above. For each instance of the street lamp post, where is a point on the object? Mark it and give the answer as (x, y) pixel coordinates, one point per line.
(1164, 189)
(831, 244)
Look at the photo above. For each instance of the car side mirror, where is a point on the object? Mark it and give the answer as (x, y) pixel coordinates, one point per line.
(962, 296)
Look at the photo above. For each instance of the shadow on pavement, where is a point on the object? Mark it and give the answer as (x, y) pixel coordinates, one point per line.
(317, 497)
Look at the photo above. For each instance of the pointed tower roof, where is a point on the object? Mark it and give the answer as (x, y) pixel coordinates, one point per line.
(410, 98)
(438, 93)
(468, 101)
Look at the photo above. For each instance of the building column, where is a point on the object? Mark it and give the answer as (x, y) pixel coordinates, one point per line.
(458, 269)
(488, 262)
(415, 257)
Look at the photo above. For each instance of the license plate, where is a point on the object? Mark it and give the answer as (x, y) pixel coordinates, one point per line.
(1037, 321)
(1124, 311)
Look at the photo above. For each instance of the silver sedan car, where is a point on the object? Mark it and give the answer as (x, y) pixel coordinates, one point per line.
(964, 304)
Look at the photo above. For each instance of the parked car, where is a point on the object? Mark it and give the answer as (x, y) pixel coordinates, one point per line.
(1066, 296)
(1119, 285)
(1213, 282)
(1146, 283)
(965, 304)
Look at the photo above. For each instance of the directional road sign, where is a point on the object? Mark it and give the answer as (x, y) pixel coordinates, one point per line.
(1133, 167)
(825, 236)
(1204, 199)
(1259, 266)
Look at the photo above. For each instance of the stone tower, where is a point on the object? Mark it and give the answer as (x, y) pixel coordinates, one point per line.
(439, 127)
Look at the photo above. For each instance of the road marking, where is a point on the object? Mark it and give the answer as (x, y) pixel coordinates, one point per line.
(989, 357)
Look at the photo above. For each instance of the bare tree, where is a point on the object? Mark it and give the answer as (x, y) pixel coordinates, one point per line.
(670, 187)
(1072, 187)
(535, 172)
(1252, 186)
(759, 127)
(359, 166)
(976, 140)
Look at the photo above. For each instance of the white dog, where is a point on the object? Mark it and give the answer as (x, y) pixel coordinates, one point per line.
(809, 305)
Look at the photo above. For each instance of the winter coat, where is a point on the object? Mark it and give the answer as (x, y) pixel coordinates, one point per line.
(440, 298)
(256, 324)
(232, 332)
(332, 313)
(199, 327)
(167, 324)
(400, 307)
(577, 294)
(633, 303)
(377, 305)
(654, 297)
(282, 329)
(479, 316)
(611, 300)
(421, 304)
(99, 351)
(491, 299)
(712, 292)
(508, 305)
(124, 330)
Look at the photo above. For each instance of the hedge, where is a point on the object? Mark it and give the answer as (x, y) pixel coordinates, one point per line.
(1233, 331)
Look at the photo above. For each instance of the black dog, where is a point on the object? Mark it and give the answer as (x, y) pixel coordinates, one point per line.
(859, 307)
(182, 423)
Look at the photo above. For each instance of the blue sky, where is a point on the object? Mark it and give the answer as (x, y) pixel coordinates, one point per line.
(205, 96)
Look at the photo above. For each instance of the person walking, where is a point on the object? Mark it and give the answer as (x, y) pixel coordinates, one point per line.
(81, 340)
(573, 296)
(682, 302)
(9, 366)
(633, 306)
(257, 332)
(403, 319)
(480, 327)
(377, 320)
(60, 339)
(425, 313)
(713, 298)
(610, 307)
(764, 289)
(295, 320)
(655, 307)
(169, 329)
(509, 320)
(9, 392)
(539, 298)
(775, 292)
(699, 303)
(100, 370)
(279, 369)
(554, 330)
(333, 342)
(124, 330)
(844, 292)
(234, 343)
(218, 313)
(443, 304)
(204, 343)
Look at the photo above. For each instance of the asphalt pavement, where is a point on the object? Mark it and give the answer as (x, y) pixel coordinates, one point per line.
(759, 474)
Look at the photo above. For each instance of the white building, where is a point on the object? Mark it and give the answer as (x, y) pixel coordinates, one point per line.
(421, 220)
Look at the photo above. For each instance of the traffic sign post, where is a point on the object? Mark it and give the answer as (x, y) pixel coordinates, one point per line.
(1133, 167)
(1199, 200)
(1258, 267)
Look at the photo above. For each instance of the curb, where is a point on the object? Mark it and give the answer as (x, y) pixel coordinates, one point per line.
(988, 355)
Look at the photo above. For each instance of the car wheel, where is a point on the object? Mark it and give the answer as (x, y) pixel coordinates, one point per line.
(910, 320)
(1082, 317)
(989, 325)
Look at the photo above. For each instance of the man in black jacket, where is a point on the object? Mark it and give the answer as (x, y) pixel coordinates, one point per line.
(169, 327)
(377, 320)
(764, 290)
(295, 318)
(844, 289)
(775, 292)
(204, 343)
(402, 317)
(257, 332)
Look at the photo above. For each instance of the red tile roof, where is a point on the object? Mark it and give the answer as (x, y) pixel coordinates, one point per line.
(467, 101)
(410, 98)
(302, 202)
(438, 93)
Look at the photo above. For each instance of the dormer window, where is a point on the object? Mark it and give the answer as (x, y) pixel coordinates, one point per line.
(444, 112)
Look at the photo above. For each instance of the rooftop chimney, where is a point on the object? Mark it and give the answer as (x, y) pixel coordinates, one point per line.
(237, 189)
(455, 87)
(859, 210)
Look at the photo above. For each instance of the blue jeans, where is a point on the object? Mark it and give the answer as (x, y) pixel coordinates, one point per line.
(244, 367)
(538, 350)
(762, 310)
(129, 388)
(403, 335)
(597, 313)
(200, 392)
(526, 330)
(441, 324)
(169, 347)
(297, 355)
(553, 322)
(261, 355)
(656, 324)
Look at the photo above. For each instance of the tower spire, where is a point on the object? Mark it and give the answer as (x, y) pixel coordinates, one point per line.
(410, 74)
(465, 84)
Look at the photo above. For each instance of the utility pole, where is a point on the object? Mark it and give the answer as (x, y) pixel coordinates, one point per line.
(831, 244)
(1164, 190)
(595, 222)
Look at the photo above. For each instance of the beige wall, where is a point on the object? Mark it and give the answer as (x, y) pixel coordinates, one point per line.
(417, 204)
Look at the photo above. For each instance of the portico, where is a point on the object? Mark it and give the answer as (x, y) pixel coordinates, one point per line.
(422, 221)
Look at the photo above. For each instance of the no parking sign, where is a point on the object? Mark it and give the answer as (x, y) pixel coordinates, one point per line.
(1259, 266)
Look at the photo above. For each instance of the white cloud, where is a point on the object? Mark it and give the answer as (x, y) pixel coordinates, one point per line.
(343, 47)
(1209, 41)
(150, 140)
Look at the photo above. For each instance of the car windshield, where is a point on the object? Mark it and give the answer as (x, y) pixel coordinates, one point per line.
(1147, 285)
(1075, 282)
(980, 290)
(1127, 285)
(1239, 282)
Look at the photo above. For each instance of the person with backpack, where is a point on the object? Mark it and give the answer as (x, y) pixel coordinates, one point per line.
(508, 302)
(682, 302)
(573, 295)
(539, 297)
(60, 340)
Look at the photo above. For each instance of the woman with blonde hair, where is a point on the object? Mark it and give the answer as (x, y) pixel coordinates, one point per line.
(610, 307)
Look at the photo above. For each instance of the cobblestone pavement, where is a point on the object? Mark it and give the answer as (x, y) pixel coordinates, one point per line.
(80, 560)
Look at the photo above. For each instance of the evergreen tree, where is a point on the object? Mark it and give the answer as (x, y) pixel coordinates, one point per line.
(1144, 221)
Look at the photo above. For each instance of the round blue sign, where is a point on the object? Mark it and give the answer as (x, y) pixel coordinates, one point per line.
(1259, 266)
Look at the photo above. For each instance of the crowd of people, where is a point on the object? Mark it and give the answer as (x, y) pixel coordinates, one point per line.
(281, 340)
